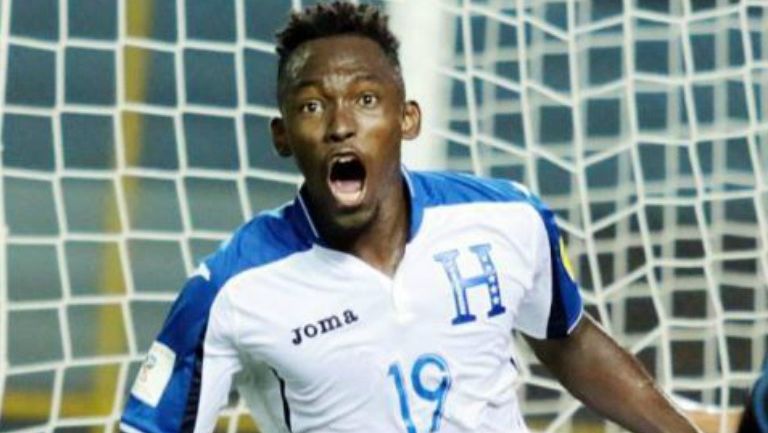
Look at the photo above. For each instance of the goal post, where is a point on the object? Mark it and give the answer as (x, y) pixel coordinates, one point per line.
(5, 13)
(134, 137)
(411, 20)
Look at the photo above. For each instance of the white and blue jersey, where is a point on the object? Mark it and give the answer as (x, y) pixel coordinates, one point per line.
(317, 340)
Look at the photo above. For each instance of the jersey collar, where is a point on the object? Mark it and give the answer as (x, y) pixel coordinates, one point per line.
(306, 225)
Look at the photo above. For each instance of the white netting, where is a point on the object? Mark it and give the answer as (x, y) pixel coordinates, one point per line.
(135, 137)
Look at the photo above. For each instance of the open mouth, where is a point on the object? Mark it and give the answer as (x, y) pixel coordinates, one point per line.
(347, 179)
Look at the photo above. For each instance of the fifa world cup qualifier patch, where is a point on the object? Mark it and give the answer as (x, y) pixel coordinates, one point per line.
(154, 374)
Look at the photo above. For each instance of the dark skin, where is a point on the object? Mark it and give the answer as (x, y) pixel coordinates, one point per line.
(342, 94)
(608, 379)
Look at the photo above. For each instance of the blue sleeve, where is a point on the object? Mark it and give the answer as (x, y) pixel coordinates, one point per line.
(566, 308)
(166, 392)
(552, 306)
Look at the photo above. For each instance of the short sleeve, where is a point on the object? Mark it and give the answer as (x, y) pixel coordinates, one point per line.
(175, 391)
(552, 306)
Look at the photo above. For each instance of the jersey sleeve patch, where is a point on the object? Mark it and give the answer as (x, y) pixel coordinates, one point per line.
(166, 382)
(154, 375)
(566, 261)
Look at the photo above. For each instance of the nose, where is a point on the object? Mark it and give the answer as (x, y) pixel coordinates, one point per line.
(341, 125)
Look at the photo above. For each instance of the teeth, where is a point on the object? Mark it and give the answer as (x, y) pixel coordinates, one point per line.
(345, 159)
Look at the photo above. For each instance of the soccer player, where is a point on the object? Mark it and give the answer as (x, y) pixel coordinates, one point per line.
(380, 299)
(755, 416)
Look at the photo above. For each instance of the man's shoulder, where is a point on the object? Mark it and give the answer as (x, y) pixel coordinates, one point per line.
(268, 237)
(442, 188)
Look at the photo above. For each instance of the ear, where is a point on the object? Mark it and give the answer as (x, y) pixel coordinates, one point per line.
(279, 137)
(411, 125)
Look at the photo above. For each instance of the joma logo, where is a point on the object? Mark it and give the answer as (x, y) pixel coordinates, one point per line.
(322, 326)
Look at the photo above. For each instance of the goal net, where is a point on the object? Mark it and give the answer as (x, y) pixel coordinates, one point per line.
(135, 138)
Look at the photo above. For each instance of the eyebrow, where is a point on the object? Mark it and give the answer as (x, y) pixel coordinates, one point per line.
(304, 83)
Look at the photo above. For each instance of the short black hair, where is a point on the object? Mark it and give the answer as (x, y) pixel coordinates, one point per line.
(335, 19)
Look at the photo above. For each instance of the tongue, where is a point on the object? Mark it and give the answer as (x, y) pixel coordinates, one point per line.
(347, 186)
(347, 192)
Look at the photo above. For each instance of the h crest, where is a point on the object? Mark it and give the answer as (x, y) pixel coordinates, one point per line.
(488, 278)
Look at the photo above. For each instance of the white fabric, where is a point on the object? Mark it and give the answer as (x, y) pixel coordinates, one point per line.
(339, 381)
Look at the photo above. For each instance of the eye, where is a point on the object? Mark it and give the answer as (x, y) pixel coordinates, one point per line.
(313, 106)
(368, 100)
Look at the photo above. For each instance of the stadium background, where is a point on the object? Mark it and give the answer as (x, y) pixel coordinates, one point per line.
(135, 137)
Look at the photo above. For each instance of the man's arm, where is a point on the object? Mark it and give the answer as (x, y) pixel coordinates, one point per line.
(596, 370)
(755, 417)
(177, 390)
(748, 421)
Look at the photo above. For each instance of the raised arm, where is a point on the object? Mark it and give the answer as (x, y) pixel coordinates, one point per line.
(608, 379)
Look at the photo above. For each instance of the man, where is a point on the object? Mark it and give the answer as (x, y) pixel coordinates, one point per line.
(755, 416)
(379, 300)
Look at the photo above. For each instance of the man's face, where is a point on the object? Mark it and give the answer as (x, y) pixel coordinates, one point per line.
(344, 117)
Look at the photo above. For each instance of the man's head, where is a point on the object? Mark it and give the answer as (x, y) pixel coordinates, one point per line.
(343, 108)
(328, 20)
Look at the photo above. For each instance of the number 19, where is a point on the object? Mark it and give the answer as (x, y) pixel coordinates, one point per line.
(436, 394)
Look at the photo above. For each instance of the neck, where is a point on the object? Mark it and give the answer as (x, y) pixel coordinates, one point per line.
(381, 242)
